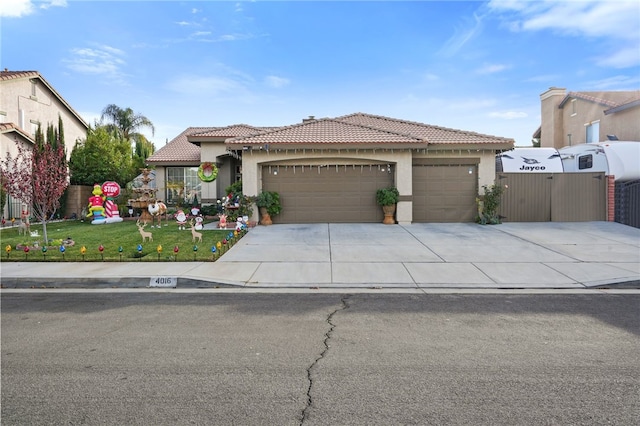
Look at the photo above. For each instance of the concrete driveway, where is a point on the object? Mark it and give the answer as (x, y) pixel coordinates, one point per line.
(452, 255)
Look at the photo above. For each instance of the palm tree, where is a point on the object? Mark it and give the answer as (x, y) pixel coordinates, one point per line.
(127, 124)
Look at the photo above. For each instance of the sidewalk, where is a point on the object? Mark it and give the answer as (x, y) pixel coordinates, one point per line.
(449, 255)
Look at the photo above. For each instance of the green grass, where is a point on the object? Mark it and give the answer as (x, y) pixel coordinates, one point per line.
(119, 241)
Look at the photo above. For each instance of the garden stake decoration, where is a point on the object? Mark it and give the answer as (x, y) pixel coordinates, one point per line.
(44, 252)
(195, 250)
(176, 249)
(219, 246)
(62, 250)
(120, 250)
(26, 252)
(159, 250)
(140, 250)
(83, 250)
(101, 250)
(213, 252)
(8, 250)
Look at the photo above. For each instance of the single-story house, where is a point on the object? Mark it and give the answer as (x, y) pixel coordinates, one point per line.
(328, 170)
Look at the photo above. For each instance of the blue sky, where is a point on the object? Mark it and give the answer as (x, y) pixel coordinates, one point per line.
(471, 65)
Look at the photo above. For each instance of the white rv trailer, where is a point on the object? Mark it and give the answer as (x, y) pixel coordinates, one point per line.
(618, 158)
(529, 160)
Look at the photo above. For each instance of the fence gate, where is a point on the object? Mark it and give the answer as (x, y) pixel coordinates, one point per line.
(627, 198)
(553, 197)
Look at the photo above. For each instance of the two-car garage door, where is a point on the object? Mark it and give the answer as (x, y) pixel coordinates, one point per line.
(442, 192)
(328, 193)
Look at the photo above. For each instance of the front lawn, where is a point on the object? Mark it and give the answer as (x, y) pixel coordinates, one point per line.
(119, 242)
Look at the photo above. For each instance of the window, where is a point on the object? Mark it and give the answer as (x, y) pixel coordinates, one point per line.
(34, 126)
(585, 162)
(182, 186)
(593, 132)
(573, 107)
(3, 117)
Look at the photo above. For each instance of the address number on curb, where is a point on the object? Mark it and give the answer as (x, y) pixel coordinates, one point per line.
(163, 282)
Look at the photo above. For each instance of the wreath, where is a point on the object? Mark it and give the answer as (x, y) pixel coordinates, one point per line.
(207, 172)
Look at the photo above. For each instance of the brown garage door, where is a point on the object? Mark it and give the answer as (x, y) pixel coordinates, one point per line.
(328, 194)
(445, 192)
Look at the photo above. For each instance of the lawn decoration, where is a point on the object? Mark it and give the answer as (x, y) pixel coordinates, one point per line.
(199, 223)
(223, 221)
(207, 172)
(25, 227)
(96, 209)
(157, 209)
(145, 194)
(111, 190)
(181, 219)
(195, 235)
(146, 235)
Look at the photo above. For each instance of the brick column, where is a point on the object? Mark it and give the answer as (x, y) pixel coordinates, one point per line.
(611, 198)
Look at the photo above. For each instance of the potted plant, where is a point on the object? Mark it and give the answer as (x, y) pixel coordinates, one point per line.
(388, 198)
(268, 203)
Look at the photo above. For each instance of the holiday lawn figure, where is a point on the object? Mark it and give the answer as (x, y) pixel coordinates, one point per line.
(111, 190)
(181, 219)
(223, 221)
(199, 223)
(96, 210)
(157, 209)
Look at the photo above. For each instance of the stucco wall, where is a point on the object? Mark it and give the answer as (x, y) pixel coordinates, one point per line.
(44, 107)
(253, 161)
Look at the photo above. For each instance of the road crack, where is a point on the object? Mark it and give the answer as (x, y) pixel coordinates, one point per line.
(327, 336)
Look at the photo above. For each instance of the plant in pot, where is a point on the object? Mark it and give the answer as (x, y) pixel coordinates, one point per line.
(388, 198)
(268, 203)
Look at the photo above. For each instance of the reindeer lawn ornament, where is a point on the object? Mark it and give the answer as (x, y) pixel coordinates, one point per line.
(157, 209)
(194, 234)
(25, 227)
(146, 235)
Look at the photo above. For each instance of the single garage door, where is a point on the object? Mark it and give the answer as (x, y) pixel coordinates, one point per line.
(445, 192)
(328, 193)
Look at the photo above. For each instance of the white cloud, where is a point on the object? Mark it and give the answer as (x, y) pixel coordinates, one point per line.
(276, 82)
(508, 115)
(613, 21)
(462, 36)
(53, 3)
(101, 60)
(618, 82)
(492, 68)
(20, 8)
(16, 8)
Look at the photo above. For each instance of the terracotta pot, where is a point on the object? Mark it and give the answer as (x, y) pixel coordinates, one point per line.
(389, 212)
(266, 218)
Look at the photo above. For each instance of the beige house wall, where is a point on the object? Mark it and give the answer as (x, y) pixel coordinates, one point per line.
(209, 152)
(25, 108)
(252, 162)
(567, 126)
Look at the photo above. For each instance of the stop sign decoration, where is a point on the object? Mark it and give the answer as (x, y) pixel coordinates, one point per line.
(111, 189)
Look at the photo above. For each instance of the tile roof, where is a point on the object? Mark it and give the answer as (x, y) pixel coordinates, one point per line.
(236, 130)
(329, 131)
(10, 75)
(610, 99)
(179, 150)
(432, 134)
(10, 127)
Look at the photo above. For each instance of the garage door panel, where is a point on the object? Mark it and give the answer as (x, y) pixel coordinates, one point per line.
(444, 193)
(339, 195)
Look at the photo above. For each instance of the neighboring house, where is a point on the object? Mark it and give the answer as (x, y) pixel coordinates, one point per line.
(586, 117)
(328, 170)
(27, 100)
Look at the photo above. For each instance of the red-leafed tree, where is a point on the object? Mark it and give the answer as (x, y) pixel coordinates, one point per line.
(38, 176)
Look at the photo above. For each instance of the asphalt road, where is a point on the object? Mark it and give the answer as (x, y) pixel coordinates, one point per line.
(156, 358)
